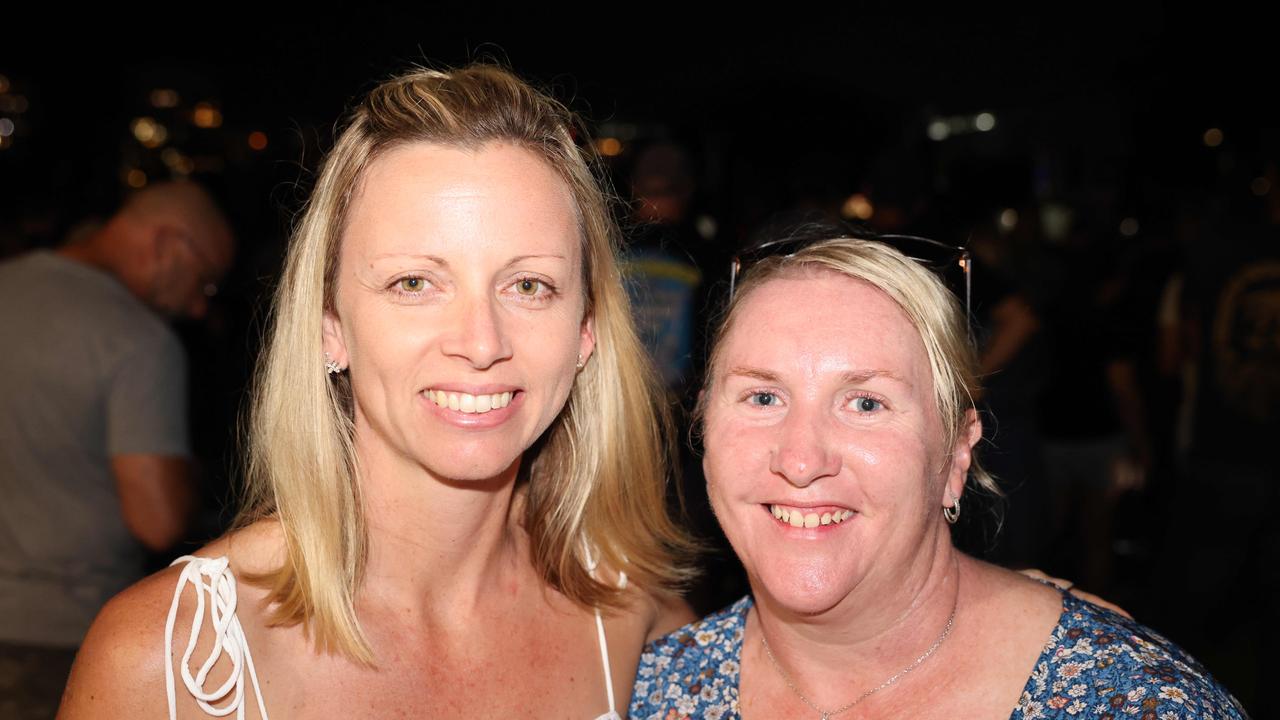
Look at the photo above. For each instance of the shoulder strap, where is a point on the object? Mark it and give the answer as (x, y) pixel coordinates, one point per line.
(592, 561)
(211, 577)
(604, 659)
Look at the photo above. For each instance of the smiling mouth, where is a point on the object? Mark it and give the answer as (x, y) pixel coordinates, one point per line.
(807, 517)
(467, 403)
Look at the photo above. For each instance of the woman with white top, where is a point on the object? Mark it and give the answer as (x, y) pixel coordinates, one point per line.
(456, 462)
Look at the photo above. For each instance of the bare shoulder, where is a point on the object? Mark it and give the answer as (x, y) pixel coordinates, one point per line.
(649, 612)
(1011, 598)
(120, 668)
(667, 612)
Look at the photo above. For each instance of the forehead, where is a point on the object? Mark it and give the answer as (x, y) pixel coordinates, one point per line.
(821, 322)
(429, 198)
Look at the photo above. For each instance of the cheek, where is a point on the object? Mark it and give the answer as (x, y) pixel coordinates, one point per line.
(736, 466)
(722, 457)
(382, 344)
(545, 357)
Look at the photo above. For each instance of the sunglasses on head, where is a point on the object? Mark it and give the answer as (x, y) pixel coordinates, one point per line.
(952, 263)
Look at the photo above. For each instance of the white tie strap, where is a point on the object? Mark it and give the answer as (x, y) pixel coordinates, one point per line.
(592, 561)
(228, 638)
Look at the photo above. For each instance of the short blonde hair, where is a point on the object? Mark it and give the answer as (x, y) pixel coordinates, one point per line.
(600, 470)
(933, 310)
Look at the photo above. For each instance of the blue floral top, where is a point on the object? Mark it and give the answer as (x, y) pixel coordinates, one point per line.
(1097, 664)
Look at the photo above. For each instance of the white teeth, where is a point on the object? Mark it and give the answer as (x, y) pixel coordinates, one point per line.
(797, 519)
(471, 404)
(811, 520)
(826, 519)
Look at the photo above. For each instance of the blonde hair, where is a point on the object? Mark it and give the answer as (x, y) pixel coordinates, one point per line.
(599, 472)
(932, 309)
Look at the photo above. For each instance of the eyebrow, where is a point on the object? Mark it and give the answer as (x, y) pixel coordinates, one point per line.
(535, 256)
(854, 377)
(756, 373)
(410, 256)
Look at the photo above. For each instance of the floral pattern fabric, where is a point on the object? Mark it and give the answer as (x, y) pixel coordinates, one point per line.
(1096, 664)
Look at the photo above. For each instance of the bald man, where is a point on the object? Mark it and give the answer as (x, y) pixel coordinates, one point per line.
(93, 440)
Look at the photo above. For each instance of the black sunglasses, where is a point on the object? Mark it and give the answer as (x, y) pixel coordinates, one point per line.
(952, 263)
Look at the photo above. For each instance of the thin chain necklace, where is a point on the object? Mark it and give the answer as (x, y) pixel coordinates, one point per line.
(828, 714)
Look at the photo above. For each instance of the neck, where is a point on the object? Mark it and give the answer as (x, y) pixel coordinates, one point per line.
(87, 253)
(875, 632)
(104, 250)
(437, 545)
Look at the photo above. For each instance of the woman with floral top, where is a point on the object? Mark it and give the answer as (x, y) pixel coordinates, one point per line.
(840, 436)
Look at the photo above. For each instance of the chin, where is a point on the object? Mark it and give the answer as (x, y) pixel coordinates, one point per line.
(465, 469)
(803, 588)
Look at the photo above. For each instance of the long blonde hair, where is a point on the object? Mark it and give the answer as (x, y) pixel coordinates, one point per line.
(598, 473)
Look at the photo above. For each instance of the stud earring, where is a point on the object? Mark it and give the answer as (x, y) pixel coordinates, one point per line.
(331, 366)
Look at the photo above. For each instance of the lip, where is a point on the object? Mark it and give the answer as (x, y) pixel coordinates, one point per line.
(816, 506)
(473, 421)
(489, 389)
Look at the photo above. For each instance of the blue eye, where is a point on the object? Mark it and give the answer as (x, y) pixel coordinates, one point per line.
(867, 405)
(763, 399)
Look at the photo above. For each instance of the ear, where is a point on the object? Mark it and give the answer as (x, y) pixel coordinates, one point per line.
(587, 338)
(962, 456)
(333, 342)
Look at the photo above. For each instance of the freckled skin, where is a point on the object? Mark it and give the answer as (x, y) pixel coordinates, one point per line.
(814, 441)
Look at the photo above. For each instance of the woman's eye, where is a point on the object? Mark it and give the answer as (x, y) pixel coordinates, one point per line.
(528, 287)
(411, 284)
(763, 399)
(533, 288)
(866, 404)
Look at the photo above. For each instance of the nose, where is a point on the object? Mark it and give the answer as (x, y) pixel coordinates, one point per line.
(479, 336)
(802, 453)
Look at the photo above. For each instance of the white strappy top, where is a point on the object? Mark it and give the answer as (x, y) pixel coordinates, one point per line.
(212, 578)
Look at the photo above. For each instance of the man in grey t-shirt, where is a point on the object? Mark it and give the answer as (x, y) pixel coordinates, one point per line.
(93, 440)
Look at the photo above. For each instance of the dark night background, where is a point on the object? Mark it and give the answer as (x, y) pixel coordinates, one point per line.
(1109, 111)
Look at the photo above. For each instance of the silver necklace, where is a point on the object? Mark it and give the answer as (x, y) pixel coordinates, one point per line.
(828, 714)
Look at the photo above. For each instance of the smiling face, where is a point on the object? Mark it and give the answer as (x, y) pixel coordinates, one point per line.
(825, 458)
(459, 307)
